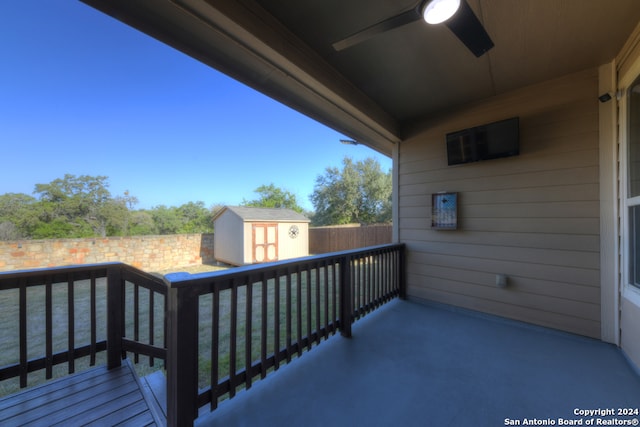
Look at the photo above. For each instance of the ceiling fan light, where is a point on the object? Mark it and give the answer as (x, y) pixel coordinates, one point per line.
(438, 11)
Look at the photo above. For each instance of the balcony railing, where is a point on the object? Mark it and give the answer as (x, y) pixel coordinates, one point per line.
(70, 313)
(216, 332)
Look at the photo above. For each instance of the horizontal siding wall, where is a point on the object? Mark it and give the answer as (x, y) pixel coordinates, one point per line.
(534, 217)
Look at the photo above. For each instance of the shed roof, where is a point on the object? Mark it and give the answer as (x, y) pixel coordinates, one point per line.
(247, 213)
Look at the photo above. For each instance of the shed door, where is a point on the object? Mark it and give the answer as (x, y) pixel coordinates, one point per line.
(265, 242)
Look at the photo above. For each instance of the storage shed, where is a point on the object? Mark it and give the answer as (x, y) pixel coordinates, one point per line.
(248, 235)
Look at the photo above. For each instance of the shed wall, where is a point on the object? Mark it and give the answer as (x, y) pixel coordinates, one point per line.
(293, 248)
(534, 217)
(228, 239)
(287, 247)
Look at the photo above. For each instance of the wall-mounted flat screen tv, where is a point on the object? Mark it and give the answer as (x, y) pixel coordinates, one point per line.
(490, 141)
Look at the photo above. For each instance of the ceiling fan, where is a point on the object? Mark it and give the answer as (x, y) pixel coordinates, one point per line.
(457, 15)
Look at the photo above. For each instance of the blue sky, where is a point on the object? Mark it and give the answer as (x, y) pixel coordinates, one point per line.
(84, 94)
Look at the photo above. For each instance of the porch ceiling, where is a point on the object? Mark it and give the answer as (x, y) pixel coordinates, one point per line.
(373, 91)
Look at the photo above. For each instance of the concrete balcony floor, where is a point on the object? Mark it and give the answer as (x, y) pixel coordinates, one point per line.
(410, 364)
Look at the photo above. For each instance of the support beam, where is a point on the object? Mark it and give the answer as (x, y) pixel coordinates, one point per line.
(182, 356)
(609, 251)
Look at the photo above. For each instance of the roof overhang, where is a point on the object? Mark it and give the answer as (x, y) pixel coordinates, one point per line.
(252, 47)
(377, 90)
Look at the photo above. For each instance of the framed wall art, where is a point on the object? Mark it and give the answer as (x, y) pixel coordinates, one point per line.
(444, 211)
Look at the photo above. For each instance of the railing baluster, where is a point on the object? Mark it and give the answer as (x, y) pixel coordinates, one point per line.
(334, 296)
(136, 319)
(374, 282)
(233, 338)
(215, 345)
(393, 260)
(48, 328)
(357, 284)
(369, 298)
(247, 333)
(385, 276)
(402, 286)
(115, 317)
(381, 269)
(307, 274)
(276, 321)
(318, 309)
(299, 310)
(124, 314)
(346, 307)
(165, 333)
(378, 271)
(94, 320)
(389, 279)
(151, 322)
(71, 326)
(375, 270)
(23, 333)
(381, 273)
(288, 319)
(263, 340)
(361, 283)
(326, 299)
(353, 282)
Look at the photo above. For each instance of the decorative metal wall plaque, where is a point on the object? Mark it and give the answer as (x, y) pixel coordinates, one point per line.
(444, 211)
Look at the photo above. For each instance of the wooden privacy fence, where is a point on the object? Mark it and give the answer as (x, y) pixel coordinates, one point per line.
(345, 237)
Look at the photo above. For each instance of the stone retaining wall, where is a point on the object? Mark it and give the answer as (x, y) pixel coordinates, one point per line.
(149, 253)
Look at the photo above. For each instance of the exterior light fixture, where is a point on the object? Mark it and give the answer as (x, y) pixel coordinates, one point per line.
(438, 11)
(348, 142)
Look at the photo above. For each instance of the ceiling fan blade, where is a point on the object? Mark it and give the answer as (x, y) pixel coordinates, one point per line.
(388, 24)
(468, 28)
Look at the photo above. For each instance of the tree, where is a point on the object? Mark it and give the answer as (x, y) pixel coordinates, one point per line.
(120, 214)
(141, 223)
(360, 192)
(166, 219)
(80, 202)
(8, 231)
(82, 206)
(191, 217)
(196, 218)
(273, 197)
(19, 214)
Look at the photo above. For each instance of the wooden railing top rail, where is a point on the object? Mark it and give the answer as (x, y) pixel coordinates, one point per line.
(56, 274)
(178, 280)
(79, 272)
